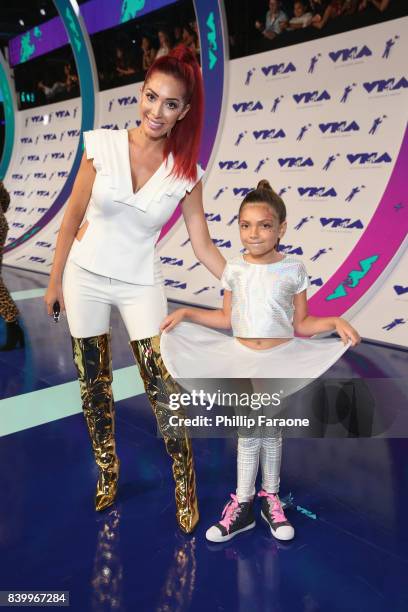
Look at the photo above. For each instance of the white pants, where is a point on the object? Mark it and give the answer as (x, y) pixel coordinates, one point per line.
(89, 297)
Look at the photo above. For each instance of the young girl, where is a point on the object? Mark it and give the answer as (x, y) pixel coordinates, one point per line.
(264, 303)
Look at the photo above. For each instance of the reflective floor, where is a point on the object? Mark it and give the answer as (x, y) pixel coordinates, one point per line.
(349, 500)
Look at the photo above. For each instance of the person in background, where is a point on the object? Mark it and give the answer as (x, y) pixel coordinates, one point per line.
(302, 17)
(149, 53)
(177, 35)
(273, 20)
(165, 44)
(8, 310)
(190, 40)
(380, 5)
(334, 9)
(123, 67)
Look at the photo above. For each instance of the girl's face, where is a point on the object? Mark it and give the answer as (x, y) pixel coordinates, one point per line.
(260, 229)
(162, 105)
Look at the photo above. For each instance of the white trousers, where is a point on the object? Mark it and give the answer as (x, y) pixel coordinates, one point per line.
(89, 297)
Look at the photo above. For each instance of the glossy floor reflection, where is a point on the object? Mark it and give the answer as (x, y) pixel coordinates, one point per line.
(350, 498)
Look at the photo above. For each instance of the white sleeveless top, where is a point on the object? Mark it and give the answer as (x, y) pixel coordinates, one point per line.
(124, 226)
(262, 296)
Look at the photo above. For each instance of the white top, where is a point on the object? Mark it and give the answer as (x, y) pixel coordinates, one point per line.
(262, 296)
(124, 226)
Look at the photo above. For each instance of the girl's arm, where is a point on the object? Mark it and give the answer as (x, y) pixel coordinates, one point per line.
(307, 325)
(220, 319)
(203, 247)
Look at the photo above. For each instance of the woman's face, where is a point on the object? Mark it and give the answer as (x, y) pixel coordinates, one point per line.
(260, 229)
(162, 38)
(162, 105)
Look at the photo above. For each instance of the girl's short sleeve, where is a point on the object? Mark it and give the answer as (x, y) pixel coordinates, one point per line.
(225, 278)
(302, 279)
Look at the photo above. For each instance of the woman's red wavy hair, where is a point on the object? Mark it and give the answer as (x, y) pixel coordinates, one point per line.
(184, 140)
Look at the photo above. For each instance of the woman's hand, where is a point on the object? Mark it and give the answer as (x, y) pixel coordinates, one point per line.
(54, 294)
(173, 319)
(347, 332)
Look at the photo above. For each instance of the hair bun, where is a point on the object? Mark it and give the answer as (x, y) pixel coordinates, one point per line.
(183, 54)
(264, 184)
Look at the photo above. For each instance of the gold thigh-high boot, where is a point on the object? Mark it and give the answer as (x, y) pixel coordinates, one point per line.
(158, 385)
(92, 357)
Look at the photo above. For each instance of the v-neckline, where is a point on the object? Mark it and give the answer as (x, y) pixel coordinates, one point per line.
(135, 193)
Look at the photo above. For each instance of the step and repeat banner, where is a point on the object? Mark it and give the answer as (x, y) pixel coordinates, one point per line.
(323, 121)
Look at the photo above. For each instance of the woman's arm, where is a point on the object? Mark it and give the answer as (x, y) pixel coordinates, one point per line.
(203, 247)
(220, 319)
(74, 213)
(307, 325)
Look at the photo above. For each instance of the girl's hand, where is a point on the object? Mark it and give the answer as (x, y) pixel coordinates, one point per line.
(53, 294)
(347, 332)
(173, 319)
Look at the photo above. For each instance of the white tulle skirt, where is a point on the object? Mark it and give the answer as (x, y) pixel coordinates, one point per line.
(194, 354)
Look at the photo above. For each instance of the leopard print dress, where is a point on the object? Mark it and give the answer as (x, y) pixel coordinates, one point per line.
(8, 310)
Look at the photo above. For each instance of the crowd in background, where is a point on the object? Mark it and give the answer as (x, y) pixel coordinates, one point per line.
(124, 54)
(284, 22)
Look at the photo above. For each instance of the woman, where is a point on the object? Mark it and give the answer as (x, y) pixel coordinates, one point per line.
(164, 44)
(8, 309)
(140, 177)
(149, 53)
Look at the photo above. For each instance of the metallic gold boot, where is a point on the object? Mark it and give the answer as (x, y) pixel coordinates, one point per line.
(158, 385)
(92, 357)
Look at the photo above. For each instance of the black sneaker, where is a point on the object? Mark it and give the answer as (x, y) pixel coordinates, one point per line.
(236, 518)
(272, 513)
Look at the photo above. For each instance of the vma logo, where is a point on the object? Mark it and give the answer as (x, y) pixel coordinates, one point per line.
(353, 279)
(33, 158)
(311, 96)
(37, 119)
(247, 107)
(241, 191)
(110, 126)
(42, 210)
(221, 243)
(57, 155)
(335, 127)
(233, 165)
(363, 159)
(17, 177)
(168, 282)
(317, 192)
(295, 162)
(290, 249)
(385, 85)
(213, 217)
(73, 133)
(40, 175)
(37, 259)
(127, 100)
(172, 261)
(49, 137)
(354, 53)
(46, 245)
(21, 209)
(26, 140)
(62, 174)
(275, 69)
(42, 193)
(343, 223)
(263, 135)
(62, 114)
(19, 193)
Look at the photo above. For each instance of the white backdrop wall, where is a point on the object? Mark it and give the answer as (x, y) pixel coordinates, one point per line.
(304, 118)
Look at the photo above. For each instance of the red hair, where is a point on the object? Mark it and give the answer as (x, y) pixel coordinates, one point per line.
(184, 140)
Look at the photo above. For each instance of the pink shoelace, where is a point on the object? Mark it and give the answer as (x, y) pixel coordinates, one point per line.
(275, 506)
(229, 512)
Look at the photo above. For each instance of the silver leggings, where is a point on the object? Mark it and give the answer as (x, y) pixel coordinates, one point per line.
(251, 451)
